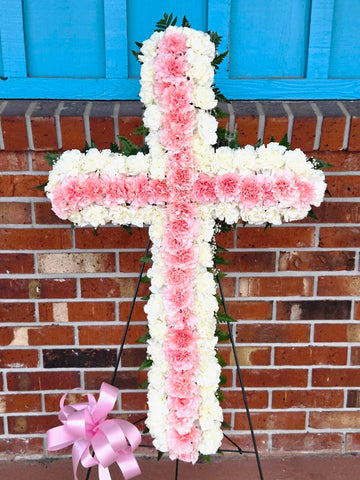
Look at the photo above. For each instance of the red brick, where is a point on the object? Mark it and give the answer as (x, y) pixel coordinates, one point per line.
(17, 312)
(331, 332)
(138, 314)
(52, 288)
(37, 239)
(310, 355)
(313, 310)
(15, 213)
(271, 421)
(21, 403)
(339, 237)
(275, 286)
(307, 442)
(339, 377)
(268, 333)
(316, 261)
(16, 263)
(77, 312)
(127, 125)
(229, 286)
(332, 133)
(102, 131)
(353, 399)
(39, 161)
(12, 161)
(14, 133)
(234, 399)
(31, 424)
(275, 127)
(249, 261)
(21, 185)
(332, 212)
(72, 133)
(32, 381)
(15, 447)
(76, 262)
(303, 134)
(332, 420)
(354, 138)
(51, 335)
(109, 335)
(355, 356)
(110, 287)
(134, 401)
(111, 238)
(338, 286)
(343, 186)
(130, 262)
(341, 161)
(52, 400)
(126, 379)
(352, 442)
(249, 310)
(19, 358)
(275, 237)
(14, 288)
(226, 239)
(250, 356)
(308, 399)
(133, 357)
(247, 129)
(357, 311)
(44, 133)
(45, 216)
(245, 442)
(274, 378)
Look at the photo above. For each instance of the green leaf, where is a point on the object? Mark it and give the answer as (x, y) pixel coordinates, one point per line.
(258, 143)
(218, 59)
(244, 223)
(205, 457)
(311, 214)
(319, 164)
(222, 336)
(96, 231)
(41, 187)
(159, 455)
(146, 259)
(136, 54)
(144, 385)
(146, 364)
(139, 44)
(52, 158)
(219, 395)
(223, 318)
(144, 338)
(327, 192)
(215, 38)
(225, 425)
(165, 22)
(219, 96)
(267, 225)
(146, 298)
(220, 260)
(224, 227)
(127, 148)
(221, 249)
(226, 138)
(222, 379)
(127, 229)
(87, 146)
(185, 22)
(73, 226)
(220, 360)
(272, 139)
(221, 274)
(218, 299)
(145, 279)
(146, 430)
(285, 142)
(141, 130)
(218, 113)
(114, 147)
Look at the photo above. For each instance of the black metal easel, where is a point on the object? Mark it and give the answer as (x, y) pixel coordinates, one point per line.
(117, 363)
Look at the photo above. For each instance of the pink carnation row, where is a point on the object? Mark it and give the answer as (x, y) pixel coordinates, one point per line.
(173, 91)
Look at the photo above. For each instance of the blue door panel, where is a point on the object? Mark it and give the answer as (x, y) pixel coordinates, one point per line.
(64, 38)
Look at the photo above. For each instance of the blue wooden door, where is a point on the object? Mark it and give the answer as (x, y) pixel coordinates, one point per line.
(81, 49)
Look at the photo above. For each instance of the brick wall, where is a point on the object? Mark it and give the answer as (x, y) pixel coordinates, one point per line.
(293, 289)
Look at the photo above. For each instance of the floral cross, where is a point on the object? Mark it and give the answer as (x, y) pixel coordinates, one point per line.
(179, 189)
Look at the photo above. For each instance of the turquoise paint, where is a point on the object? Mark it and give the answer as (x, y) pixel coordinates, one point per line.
(1, 60)
(12, 39)
(219, 21)
(142, 17)
(65, 38)
(345, 45)
(268, 38)
(128, 89)
(116, 47)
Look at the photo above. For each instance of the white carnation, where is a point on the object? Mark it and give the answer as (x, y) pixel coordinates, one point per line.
(255, 215)
(211, 440)
(120, 215)
(95, 215)
(204, 98)
(206, 127)
(271, 156)
(292, 214)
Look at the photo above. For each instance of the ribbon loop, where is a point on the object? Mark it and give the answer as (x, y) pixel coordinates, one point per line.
(84, 426)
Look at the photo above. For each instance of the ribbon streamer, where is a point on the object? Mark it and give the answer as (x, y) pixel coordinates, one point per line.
(86, 428)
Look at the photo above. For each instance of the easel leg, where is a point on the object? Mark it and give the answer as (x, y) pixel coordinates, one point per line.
(241, 382)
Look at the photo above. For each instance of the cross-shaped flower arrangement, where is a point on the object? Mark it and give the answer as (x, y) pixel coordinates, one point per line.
(181, 188)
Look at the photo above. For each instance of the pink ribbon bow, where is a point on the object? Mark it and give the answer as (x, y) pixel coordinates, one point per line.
(85, 426)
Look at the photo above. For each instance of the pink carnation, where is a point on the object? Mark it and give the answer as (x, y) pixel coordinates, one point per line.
(178, 276)
(184, 446)
(142, 191)
(268, 193)
(182, 425)
(73, 193)
(178, 298)
(184, 407)
(204, 189)
(173, 242)
(184, 258)
(115, 191)
(170, 68)
(181, 360)
(228, 187)
(176, 97)
(182, 386)
(306, 191)
(182, 338)
(285, 189)
(59, 204)
(183, 318)
(251, 191)
(172, 43)
(93, 190)
(158, 191)
(181, 178)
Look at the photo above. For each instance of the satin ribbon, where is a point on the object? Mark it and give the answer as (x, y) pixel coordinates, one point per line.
(85, 426)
